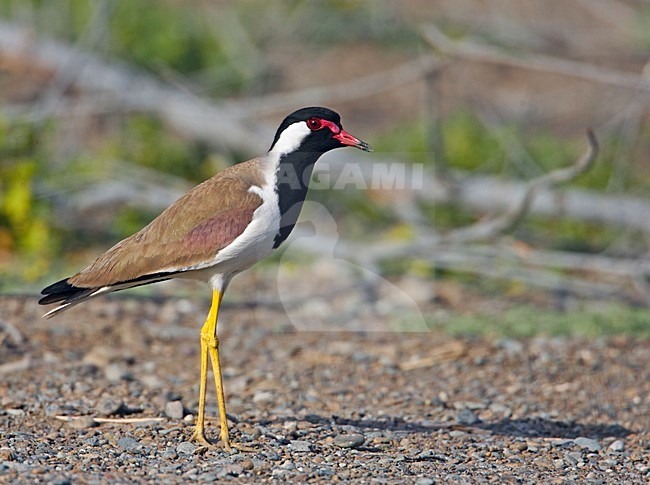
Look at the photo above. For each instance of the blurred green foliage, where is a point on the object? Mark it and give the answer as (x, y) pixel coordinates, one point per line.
(469, 146)
(528, 321)
(212, 54)
(25, 224)
(28, 232)
(145, 141)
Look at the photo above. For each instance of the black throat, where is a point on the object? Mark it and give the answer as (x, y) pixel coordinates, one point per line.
(293, 175)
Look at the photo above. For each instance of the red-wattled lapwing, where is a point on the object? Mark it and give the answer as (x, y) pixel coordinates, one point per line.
(218, 229)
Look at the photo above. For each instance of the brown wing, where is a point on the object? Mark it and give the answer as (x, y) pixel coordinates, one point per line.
(191, 231)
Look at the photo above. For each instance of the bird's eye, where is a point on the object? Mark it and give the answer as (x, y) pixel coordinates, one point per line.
(314, 124)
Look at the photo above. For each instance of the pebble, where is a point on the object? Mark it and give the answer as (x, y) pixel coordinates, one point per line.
(618, 445)
(406, 430)
(100, 356)
(521, 446)
(107, 407)
(186, 448)
(424, 481)
(560, 443)
(349, 440)
(170, 454)
(152, 381)
(511, 346)
(93, 441)
(7, 454)
(468, 417)
(81, 422)
(290, 426)
(588, 443)
(263, 396)
(606, 464)
(301, 446)
(174, 409)
(234, 469)
(115, 373)
(572, 458)
(501, 410)
(128, 443)
(53, 410)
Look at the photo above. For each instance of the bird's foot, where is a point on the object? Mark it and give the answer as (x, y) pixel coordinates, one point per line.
(229, 446)
(199, 437)
(239, 447)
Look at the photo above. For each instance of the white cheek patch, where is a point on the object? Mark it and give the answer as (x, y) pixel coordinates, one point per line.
(290, 139)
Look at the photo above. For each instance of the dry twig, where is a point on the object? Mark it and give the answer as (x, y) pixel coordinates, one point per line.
(113, 420)
(498, 225)
(472, 50)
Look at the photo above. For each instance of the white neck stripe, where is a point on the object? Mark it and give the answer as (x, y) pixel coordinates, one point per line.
(290, 139)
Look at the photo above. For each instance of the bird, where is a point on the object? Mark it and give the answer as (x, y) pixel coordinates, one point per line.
(218, 229)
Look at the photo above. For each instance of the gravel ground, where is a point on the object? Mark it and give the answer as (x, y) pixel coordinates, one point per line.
(337, 406)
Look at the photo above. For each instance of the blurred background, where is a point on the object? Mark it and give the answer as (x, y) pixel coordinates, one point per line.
(111, 109)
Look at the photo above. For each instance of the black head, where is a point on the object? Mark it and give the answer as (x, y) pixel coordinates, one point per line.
(315, 130)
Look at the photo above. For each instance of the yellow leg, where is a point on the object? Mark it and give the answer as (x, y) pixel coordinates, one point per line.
(210, 345)
(208, 336)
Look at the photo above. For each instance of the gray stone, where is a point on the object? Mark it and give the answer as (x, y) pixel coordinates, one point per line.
(326, 471)
(424, 481)
(128, 443)
(618, 445)
(234, 469)
(170, 454)
(607, 464)
(300, 445)
(353, 440)
(174, 409)
(467, 416)
(263, 396)
(500, 409)
(115, 373)
(92, 441)
(511, 346)
(560, 443)
(81, 422)
(52, 409)
(186, 448)
(572, 458)
(109, 406)
(588, 443)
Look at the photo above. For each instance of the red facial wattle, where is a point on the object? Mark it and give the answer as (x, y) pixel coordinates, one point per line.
(340, 134)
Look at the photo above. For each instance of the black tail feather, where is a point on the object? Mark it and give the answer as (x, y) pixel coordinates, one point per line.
(63, 291)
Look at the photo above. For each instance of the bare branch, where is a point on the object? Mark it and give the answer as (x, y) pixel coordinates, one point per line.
(218, 123)
(12, 332)
(472, 50)
(370, 85)
(17, 365)
(131, 89)
(501, 224)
